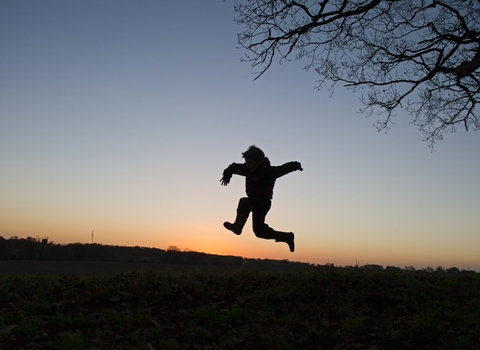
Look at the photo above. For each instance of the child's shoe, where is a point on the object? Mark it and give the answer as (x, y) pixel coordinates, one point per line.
(237, 226)
(232, 227)
(287, 237)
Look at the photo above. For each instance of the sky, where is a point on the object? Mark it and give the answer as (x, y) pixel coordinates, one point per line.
(119, 117)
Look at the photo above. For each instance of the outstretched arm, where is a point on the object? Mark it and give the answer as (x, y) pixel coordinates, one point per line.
(286, 168)
(234, 168)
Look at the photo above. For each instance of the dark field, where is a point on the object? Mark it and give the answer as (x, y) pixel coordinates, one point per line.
(91, 305)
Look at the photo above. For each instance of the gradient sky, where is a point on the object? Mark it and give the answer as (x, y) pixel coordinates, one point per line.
(120, 116)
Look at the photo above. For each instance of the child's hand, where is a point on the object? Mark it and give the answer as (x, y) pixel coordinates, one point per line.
(299, 166)
(227, 175)
(224, 181)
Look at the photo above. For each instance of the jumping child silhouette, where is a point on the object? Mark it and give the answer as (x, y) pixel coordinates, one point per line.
(260, 179)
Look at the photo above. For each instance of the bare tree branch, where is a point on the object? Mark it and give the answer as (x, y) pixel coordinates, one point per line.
(422, 56)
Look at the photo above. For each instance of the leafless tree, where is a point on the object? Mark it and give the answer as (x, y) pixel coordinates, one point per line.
(173, 248)
(422, 56)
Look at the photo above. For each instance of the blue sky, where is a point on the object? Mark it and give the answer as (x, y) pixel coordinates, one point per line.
(120, 116)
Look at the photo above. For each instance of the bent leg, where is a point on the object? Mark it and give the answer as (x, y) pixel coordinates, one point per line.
(245, 206)
(262, 230)
(243, 210)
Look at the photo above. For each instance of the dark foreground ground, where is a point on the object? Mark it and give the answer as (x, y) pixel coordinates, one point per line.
(100, 305)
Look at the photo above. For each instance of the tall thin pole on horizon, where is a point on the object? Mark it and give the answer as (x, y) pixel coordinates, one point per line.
(92, 236)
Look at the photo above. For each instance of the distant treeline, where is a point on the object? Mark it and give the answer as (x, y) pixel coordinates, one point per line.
(41, 249)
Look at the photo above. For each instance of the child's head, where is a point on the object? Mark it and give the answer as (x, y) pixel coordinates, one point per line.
(254, 157)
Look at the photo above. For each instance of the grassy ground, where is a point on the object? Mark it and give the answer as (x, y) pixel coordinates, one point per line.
(338, 309)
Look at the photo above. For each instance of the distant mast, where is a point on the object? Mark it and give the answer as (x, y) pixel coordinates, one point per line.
(92, 236)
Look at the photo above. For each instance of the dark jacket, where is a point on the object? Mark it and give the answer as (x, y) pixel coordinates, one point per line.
(260, 183)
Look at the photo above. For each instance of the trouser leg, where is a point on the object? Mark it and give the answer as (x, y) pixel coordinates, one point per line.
(259, 209)
(241, 218)
(262, 230)
(259, 212)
